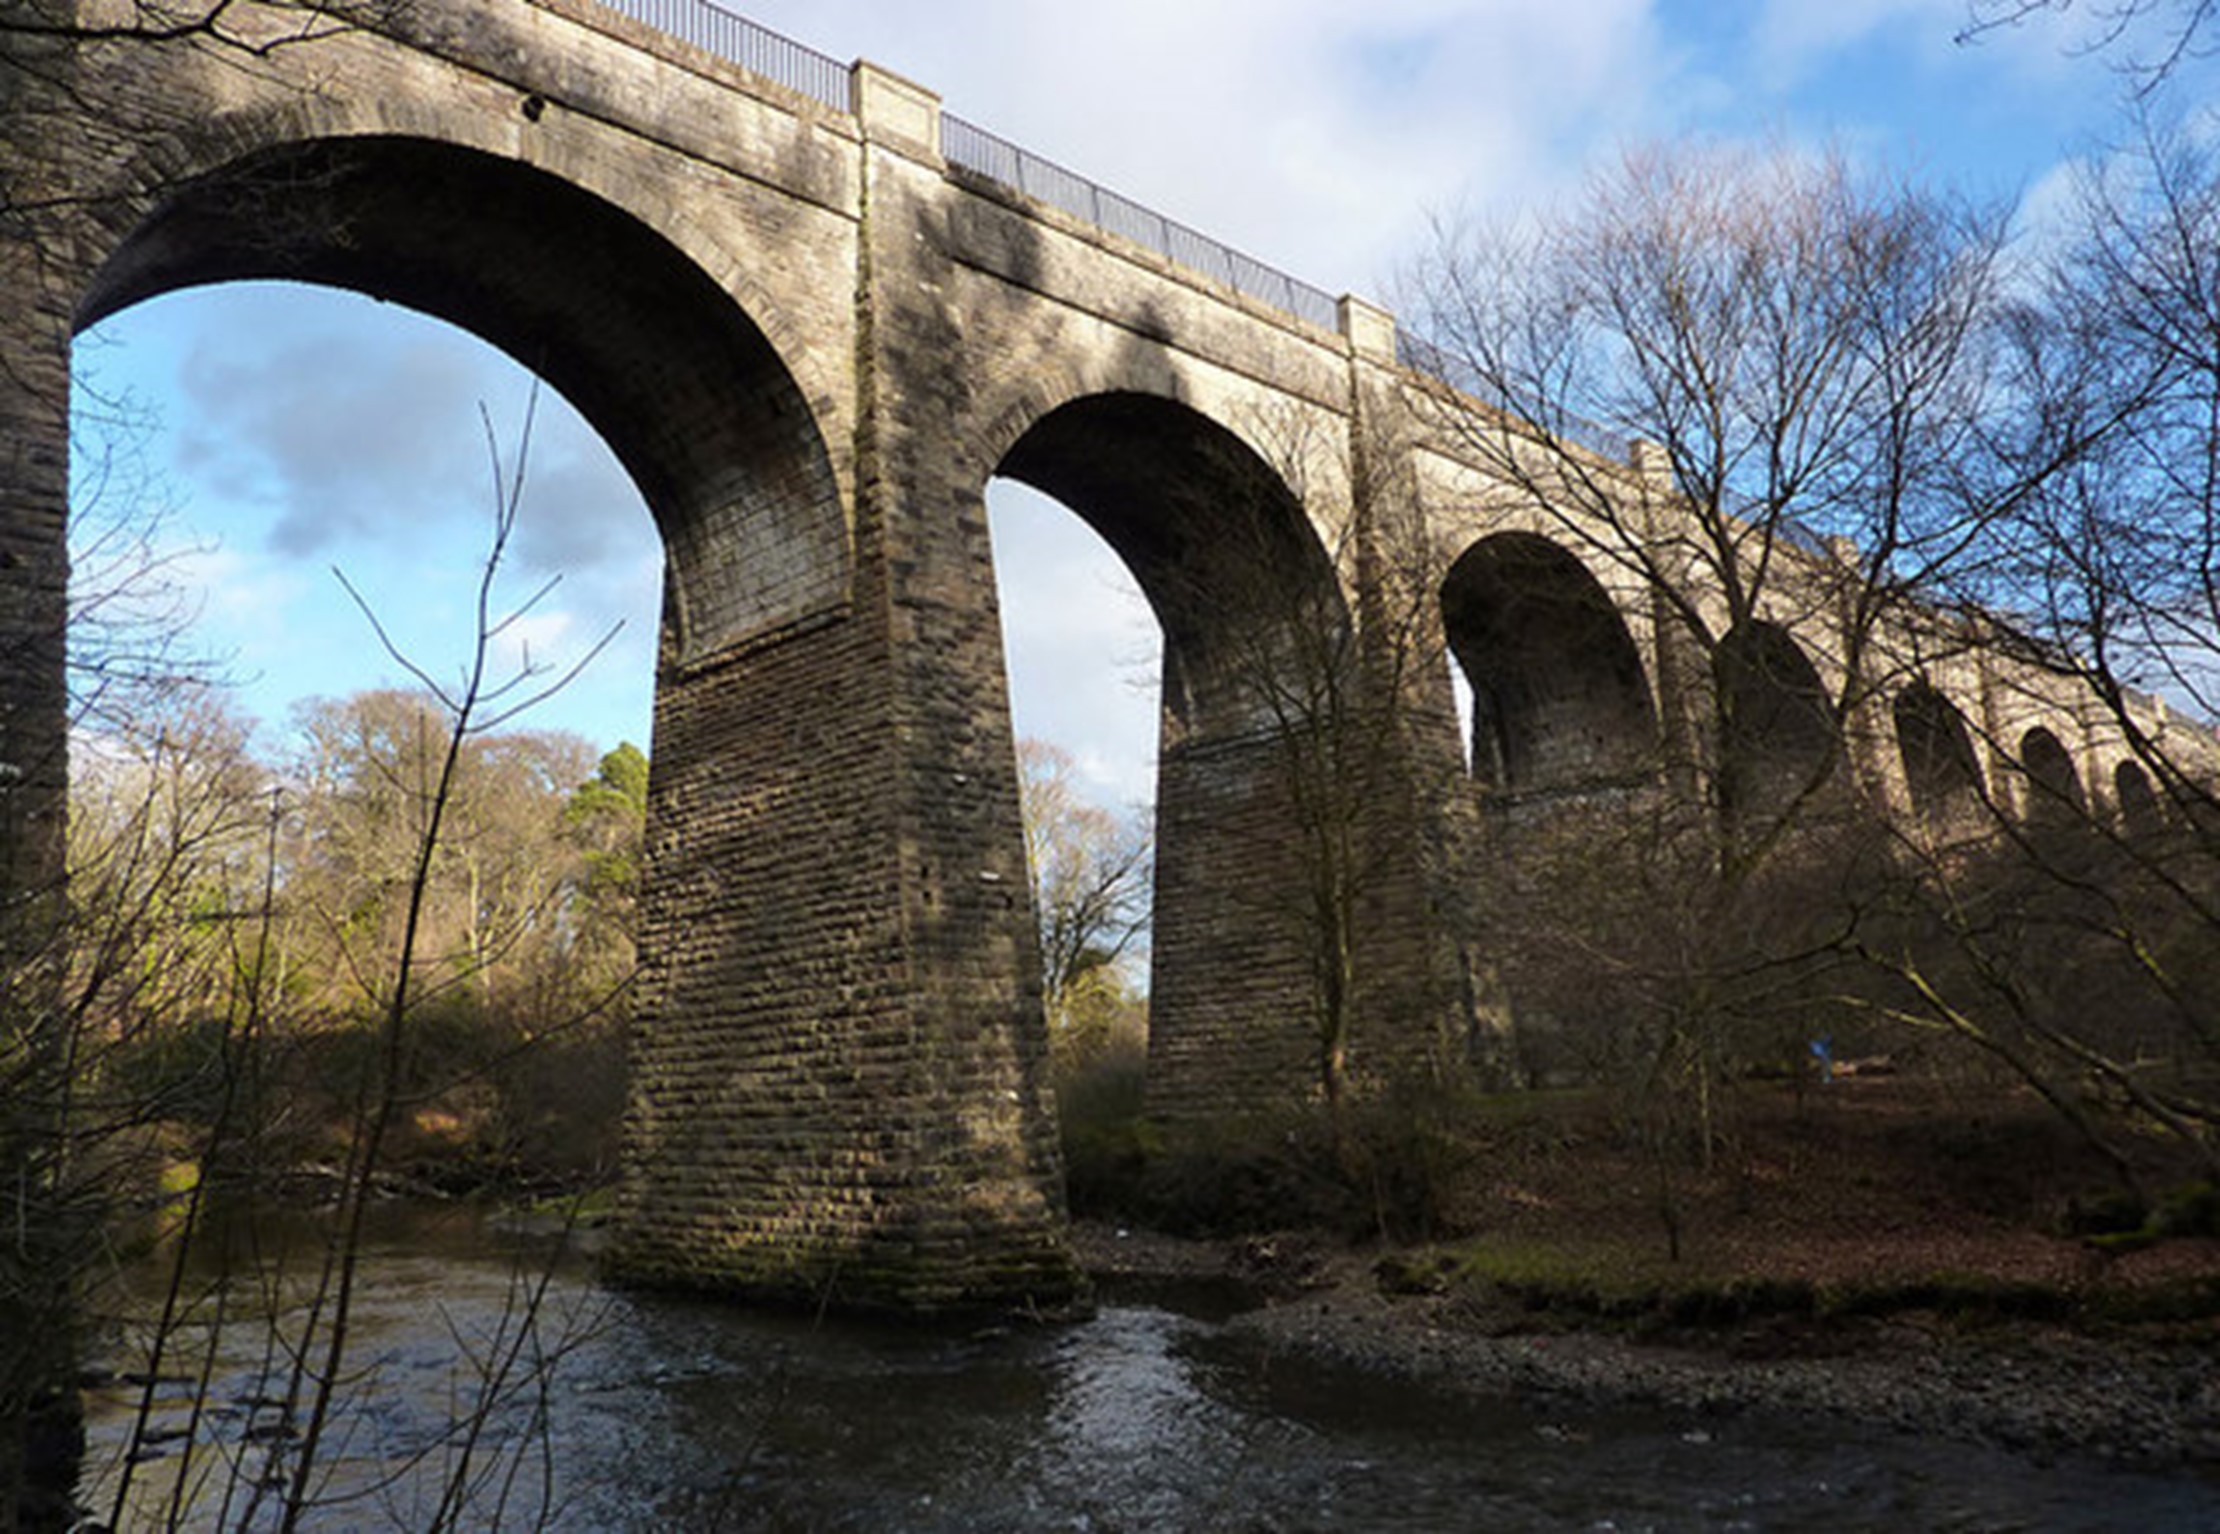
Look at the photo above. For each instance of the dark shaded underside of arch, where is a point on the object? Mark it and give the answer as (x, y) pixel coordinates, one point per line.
(1213, 536)
(1558, 692)
(681, 383)
(1777, 735)
(2054, 784)
(1939, 764)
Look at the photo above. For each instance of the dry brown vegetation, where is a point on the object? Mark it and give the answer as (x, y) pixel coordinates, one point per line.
(1859, 1181)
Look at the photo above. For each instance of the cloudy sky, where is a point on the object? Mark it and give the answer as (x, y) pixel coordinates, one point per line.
(300, 430)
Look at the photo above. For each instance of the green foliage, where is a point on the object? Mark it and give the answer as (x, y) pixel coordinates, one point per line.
(1607, 1276)
(623, 775)
(2193, 1210)
(607, 813)
(1248, 1177)
(594, 1206)
(2122, 1222)
(561, 1104)
(1620, 1286)
(490, 1099)
(1413, 1272)
(2111, 1213)
(1090, 873)
(214, 914)
(2194, 1300)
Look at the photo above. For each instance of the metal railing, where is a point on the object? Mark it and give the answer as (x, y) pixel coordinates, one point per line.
(973, 148)
(1422, 356)
(827, 80)
(776, 57)
(800, 68)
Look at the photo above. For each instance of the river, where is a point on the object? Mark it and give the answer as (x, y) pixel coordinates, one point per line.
(635, 1412)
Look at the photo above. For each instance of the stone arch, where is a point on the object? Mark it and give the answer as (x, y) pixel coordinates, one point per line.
(160, 162)
(1248, 601)
(1936, 749)
(681, 382)
(1777, 734)
(2136, 800)
(1216, 540)
(2053, 783)
(1292, 441)
(1560, 698)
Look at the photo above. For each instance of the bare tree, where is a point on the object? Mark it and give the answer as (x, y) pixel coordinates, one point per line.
(64, 65)
(2079, 944)
(163, 853)
(1763, 398)
(145, 1058)
(2153, 40)
(1762, 387)
(480, 700)
(1835, 407)
(1090, 873)
(89, 924)
(1331, 690)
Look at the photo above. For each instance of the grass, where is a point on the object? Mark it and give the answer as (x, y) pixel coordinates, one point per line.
(1538, 1283)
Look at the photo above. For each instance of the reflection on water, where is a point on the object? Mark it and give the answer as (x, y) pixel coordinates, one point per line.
(629, 1412)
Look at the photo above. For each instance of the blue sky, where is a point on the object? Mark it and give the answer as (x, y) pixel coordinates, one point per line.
(301, 429)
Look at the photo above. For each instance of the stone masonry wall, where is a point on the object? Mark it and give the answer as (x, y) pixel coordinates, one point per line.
(839, 1084)
(813, 342)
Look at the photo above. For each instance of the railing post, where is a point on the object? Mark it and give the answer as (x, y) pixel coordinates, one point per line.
(905, 116)
(895, 111)
(1651, 464)
(1370, 329)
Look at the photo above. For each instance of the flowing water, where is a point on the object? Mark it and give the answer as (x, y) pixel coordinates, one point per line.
(631, 1412)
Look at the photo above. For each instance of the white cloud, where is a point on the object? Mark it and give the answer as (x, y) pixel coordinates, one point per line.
(1080, 643)
(541, 642)
(316, 428)
(1316, 135)
(245, 595)
(1310, 133)
(340, 440)
(2047, 208)
(1794, 38)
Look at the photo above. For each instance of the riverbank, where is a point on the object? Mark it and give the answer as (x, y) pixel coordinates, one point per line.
(2147, 1396)
(676, 1412)
(1884, 1251)
(1954, 1264)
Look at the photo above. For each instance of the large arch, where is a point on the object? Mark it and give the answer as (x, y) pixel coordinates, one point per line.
(1777, 734)
(1253, 618)
(2053, 783)
(779, 919)
(1936, 749)
(1560, 699)
(1215, 539)
(678, 379)
(2136, 800)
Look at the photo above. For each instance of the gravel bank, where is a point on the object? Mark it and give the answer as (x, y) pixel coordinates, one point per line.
(2037, 1388)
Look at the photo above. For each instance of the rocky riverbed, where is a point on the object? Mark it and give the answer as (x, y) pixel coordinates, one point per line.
(2146, 1400)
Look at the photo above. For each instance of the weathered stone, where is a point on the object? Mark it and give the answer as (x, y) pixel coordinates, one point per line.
(812, 342)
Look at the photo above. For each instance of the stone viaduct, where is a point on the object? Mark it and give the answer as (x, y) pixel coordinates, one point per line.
(814, 315)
